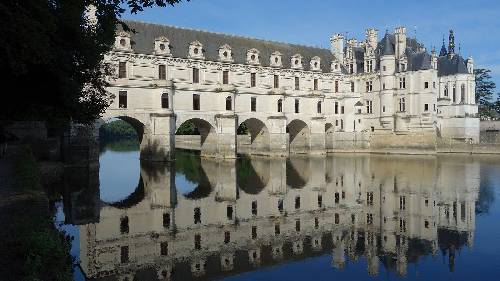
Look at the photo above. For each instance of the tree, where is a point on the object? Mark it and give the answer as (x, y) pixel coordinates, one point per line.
(484, 93)
(51, 57)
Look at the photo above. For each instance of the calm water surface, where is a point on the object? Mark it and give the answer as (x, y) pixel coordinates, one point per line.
(343, 217)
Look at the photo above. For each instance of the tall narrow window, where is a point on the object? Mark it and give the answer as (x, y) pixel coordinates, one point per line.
(122, 99)
(164, 248)
(352, 86)
(197, 215)
(122, 70)
(124, 225)
(254, 208)
(124, 257)
(253, 104)
(166, 220)
(253, 79)
(225, 77)
(196, 102)
(197, 242)
(296, 106)
(196, 75)
(227, 237)
(280, 205)
(446, 90)
(315, 82)
(402, 105)
(341, 124)
(462, 93)
(229, 212)
(426, 85)
(254, 232)
(297, 225)
(297, 83)
(320, 201)
(297, 202)
(402, 202)
(369, 86)
(342, 110)
(336, 87)
(402, 83)
(277, 229)
(426, 107)
(162, 72)
(454, 94)
(336, 107)
(369, 106)
(318, 107)
(164, 100)
(280, 105)
(276, 81)
(229, 103)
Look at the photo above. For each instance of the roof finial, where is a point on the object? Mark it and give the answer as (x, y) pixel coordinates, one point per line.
(451, 43)
(443, 51)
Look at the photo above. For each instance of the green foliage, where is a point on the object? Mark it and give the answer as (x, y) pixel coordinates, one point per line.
(53, 56)
(485, 89)
(118, 145)
(187, 128)
(117, 129)
(188, 164)
(242, 129)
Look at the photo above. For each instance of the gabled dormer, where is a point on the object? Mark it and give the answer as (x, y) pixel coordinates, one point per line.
(122, 42)
(275, 59)
(315, 64)
(253, 56)
(162, 46)
(225, 53)
(196, 50)
(296, 61)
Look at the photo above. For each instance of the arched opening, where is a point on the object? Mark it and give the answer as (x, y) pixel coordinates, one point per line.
(120, 143)
(164, 101)
(318, 107)
(252, 137)
(229, 103)
(198, 135)
(298, 136)
(191, 180)
(280, 105)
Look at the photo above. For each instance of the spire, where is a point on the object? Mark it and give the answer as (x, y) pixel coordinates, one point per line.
(451, 43)
(388, 48)
(443, 51)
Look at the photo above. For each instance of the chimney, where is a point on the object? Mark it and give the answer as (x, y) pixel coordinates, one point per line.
(400, 41)
(337, 47)
(371, 35)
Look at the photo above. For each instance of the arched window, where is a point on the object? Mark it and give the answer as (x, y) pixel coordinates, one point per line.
(462, 93)
(229, 103)
(318, 107)
(454, 94)
(164, 100)
(446, 90)
(280, 105)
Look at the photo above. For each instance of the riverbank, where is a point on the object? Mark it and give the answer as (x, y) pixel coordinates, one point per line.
(32, 247)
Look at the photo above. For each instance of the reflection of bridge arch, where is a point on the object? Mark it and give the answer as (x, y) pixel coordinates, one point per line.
(259, 136)
(252, 175)
(297, 172)
(131, 200)
(299, 136)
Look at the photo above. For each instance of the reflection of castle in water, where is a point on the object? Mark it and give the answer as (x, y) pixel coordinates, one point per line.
(391, 210)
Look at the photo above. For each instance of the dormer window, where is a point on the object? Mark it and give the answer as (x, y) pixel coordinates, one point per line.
(253, 56)
(225, 54)
(122, 41)
(296, 61)
(315, 64)
(275, 59)
(196, 50)
(162, 46)
(334, 66)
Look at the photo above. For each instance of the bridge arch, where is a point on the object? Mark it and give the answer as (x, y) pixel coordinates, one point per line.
(208, 136)
(299, 136)
(256, 140)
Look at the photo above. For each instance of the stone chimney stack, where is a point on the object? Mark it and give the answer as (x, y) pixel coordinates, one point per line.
(371, 35)
(337, 47)
(400, 41)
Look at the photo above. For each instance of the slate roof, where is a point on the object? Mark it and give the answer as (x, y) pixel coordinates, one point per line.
(142, 42)
(450, 66)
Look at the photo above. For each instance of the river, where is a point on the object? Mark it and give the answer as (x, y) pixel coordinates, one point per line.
(340, 217)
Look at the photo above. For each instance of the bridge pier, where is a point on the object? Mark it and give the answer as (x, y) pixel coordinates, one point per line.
(278, 138)
(219, 142)
(317, 137)
(158, 141)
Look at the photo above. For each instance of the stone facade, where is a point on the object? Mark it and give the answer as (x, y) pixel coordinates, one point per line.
(391, 92)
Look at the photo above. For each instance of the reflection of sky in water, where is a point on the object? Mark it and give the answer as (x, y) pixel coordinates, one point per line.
(119, 174)
(183, 185)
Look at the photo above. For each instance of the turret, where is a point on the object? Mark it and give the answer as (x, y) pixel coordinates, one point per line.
(400, 41)
(434, 63)
(337, 47)
(470, 65)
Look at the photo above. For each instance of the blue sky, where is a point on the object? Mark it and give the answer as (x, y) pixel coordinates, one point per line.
(311, 22)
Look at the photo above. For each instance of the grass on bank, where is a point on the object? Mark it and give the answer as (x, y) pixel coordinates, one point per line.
(33, 249)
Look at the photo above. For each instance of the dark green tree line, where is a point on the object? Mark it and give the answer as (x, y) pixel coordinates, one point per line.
(489, 107)
(51, 57)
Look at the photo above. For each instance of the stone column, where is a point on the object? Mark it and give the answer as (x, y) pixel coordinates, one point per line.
(278, 137)
(317, 141)
(221, 142)
(82, 145)
(158, 143)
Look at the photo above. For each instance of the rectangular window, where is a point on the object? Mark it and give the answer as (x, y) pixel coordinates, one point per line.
(402, 202)
(276, 81)
(352, 87)
(225, 77)
(402, 83)
(253, 104)
(124, 225)
(336, 107)
(254, 232)
(164, 100)
(315, 81)
(164, 248)
(280, 205)
(342, 110)
(227, 237)
(426, 107)
(341, 124)
(253, 79)
(197, 216)
(384, 68)
(122, 99)
(254, 208)
(124, 257)
(166, 220)
(296, 106)
(122, 70)
(297, 225)
(196, 102)
(197, 242)
(277, 229)
(320, 201)
(162, 72)
(402, 105)
(196, 75)
(369, 106)
(336, 86)
(229, 212)
(369, 86)
(383, 86)
(351, 68)
(297, 202)
(426, 85)
(297, 83)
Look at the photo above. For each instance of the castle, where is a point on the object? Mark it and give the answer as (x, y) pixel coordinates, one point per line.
(376, 95)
